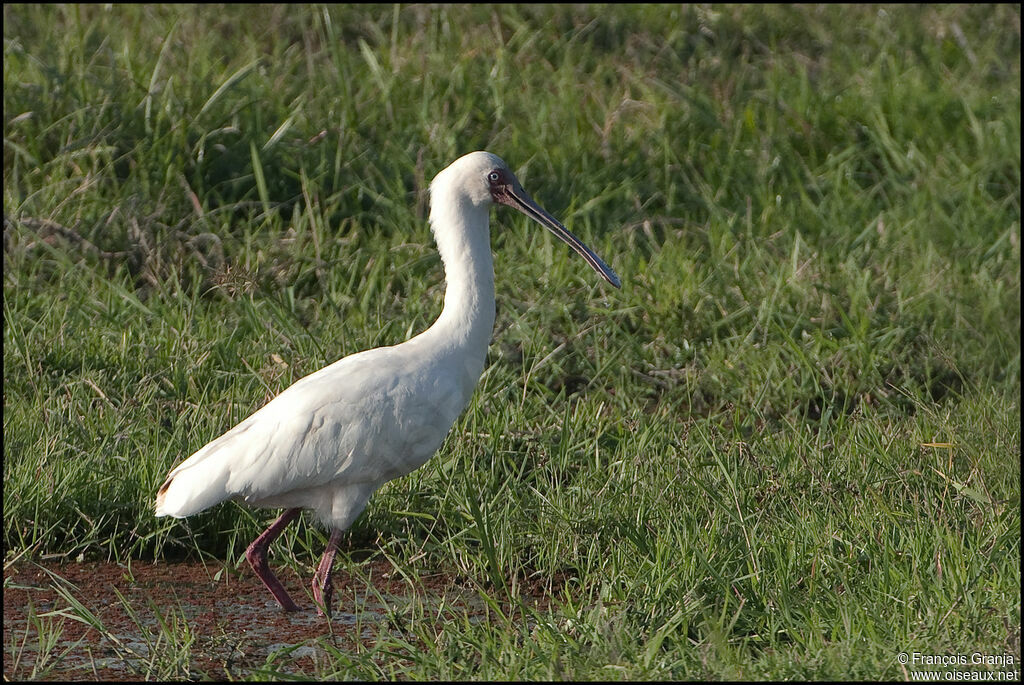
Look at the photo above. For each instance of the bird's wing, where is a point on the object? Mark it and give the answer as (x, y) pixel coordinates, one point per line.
(363, 419)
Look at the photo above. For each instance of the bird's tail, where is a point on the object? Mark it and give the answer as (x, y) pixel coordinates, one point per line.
(161, 496)
(197, 483)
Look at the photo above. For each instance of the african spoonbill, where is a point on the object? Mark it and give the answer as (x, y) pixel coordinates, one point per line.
(328, 441)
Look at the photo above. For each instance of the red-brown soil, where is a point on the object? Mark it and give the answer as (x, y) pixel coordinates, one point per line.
(235, 623)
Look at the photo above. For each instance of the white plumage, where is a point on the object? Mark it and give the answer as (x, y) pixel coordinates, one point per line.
(331, 439)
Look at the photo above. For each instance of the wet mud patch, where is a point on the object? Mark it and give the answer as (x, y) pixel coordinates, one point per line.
(195, 621)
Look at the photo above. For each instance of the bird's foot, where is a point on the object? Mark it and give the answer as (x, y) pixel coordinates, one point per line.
(323, 591)
(287, 604)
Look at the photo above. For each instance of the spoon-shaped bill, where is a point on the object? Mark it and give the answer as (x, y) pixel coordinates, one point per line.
(518, 199)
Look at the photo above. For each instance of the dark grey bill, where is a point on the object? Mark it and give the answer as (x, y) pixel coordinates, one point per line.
(516, 197)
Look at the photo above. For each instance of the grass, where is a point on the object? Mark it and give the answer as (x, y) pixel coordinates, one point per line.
(787, 448)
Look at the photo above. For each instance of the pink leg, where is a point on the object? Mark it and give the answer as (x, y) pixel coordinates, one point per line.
(257, 556)
(323, 590)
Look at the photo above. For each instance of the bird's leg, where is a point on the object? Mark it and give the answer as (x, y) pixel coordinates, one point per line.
(323, 589)
(257, 556)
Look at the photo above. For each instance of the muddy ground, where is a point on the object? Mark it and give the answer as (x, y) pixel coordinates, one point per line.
(234, 621)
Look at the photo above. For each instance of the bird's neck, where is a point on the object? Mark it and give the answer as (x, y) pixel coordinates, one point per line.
(466, 322)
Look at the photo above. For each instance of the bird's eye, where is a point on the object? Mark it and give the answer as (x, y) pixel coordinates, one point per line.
(493, 176)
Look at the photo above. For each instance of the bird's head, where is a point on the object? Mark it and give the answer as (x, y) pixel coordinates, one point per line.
(484, 179)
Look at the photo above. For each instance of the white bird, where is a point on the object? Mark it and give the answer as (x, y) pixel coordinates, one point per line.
(331, 439)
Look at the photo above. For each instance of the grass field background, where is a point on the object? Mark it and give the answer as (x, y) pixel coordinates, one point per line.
(787, 448)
